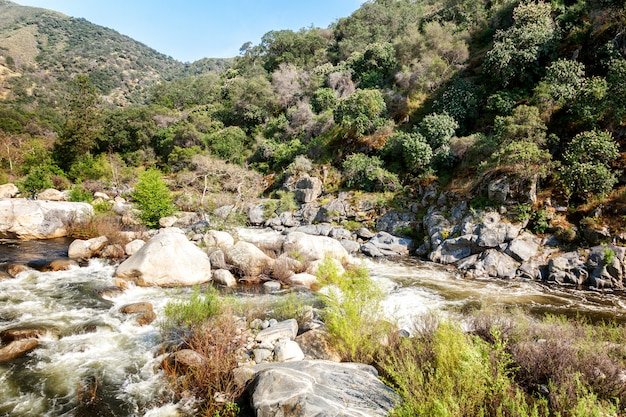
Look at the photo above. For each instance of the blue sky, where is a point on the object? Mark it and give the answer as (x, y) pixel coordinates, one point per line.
(188, 30)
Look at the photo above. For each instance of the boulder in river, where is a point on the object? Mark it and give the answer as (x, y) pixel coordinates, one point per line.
(169, 259)
(17, 348)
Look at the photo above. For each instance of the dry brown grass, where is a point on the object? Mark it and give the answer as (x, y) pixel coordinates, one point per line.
(213, 382)
(560, 358)
(108, 225)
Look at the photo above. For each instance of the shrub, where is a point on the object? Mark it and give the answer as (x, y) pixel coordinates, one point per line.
(209, 329)
(184, 315)
(586, 164)
(353, 312)
(152, 198)
(38, 179)
(79, 194)
(365, 172)
(362, 112)
(438, 129)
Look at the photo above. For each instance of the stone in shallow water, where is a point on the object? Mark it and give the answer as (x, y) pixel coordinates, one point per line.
(17, 348)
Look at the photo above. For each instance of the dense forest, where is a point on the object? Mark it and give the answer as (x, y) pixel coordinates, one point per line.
(400, 93)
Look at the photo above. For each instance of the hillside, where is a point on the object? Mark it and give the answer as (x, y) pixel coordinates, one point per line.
(42, 49)
(396, 97)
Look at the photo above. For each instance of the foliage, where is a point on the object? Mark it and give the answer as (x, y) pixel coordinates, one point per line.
(362, 112)
(524, 124)
(78, 193)
(517, 50)
(524, 159)
(438, 129)
(37, 180)
(587, 164)
(229, 144)
(82, 128)
(365, 172)
(352, 307)
(564, 79)
(152, 197)
(324, 99)
(187, 314)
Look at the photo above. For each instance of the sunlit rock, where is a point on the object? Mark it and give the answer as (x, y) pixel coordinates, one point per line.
(167, 260)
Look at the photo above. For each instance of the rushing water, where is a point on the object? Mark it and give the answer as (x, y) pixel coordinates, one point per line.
(90, 346)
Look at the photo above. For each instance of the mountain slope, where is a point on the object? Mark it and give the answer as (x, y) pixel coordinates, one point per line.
(39, 48)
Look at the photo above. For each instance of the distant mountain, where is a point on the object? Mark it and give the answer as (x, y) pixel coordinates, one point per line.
(41, 49)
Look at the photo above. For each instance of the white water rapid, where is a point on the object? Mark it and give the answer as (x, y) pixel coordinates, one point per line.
(88, 344)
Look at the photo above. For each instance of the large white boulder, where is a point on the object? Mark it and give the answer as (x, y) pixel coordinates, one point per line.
(313, 248)
(169, 259)
(38, 219)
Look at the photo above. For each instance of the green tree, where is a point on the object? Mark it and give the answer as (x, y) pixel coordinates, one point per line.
(362, 112)
(438, 129)
(324, 99)
(586, 168)
(516, 51)
(229, 144)
(367, 173)
(83, 124)
(152, 197)
(616, 79)
(524, 124)
(375, 66)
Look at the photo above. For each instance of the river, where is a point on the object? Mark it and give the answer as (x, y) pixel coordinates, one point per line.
(91, 346)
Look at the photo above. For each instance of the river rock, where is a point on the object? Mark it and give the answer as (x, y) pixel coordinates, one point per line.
(497, 264)
(139, 307)
(15, 269)
(8, 190)
(11, 335)
(257, 215)
(17, 349)
(248, 259)
(85, 249)
(303, 279)
(524, 247)
(395, 222)
(453, 250)
(306, 189)
(60, 265)
(113, 251)
(224, 277)
(311, 248)
(167, 260)
(38, 219)
(218, 238)
(287, 350)
(267, 240)
(319, 388)
(51, 194)
(188, 358)
(388, 245)
(133, 246)
(287, 330)
(315, 345)
(568, 268)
